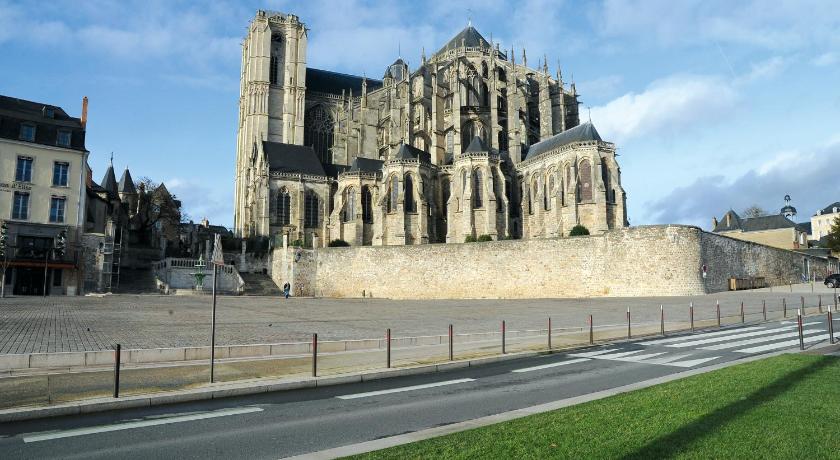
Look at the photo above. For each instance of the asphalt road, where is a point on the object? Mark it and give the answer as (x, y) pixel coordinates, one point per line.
(290, 423)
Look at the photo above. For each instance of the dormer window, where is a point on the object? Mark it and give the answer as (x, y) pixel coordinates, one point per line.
(64, 138)
(834, 209)
(49, 112)
(27, 132)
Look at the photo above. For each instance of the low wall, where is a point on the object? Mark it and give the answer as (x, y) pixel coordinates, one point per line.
(179, 274)
(637, 261)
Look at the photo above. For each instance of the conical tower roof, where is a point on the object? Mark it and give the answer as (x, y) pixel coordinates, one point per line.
(109, 182)
(126, 186)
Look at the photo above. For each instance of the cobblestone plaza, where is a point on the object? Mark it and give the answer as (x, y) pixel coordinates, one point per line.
(56, 324)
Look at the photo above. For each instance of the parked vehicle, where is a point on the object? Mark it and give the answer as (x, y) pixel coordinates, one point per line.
(832, 281)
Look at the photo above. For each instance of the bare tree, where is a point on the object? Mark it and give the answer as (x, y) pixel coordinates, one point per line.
(755, 211)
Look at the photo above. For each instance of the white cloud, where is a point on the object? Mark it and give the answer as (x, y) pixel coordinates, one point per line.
(807, 175)
(670, 103)
(825, 59)
(764, 69)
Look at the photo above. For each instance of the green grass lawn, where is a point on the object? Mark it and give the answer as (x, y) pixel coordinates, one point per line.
(785, 407)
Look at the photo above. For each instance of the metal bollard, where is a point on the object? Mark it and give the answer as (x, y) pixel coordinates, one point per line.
(549, 333)
(717, 310)
(117, 350)
(830, 327)
(628, 323)
(799, 327)
(388, 348)
(742, 312)
(802, 303)
(314, 355)
(819, 303)
(503, 337)
(451, 338)
(662, 319)
(764, 309)
(591, 331)
(691, 315)
(784, 308)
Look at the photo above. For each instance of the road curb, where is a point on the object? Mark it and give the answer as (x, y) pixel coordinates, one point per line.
(219, 391)
(393, 441)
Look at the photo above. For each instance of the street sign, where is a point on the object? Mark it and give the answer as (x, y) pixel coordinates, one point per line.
(218, 256)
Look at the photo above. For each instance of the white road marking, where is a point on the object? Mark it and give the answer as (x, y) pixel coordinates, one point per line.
(771, 338)
(139, 424)
(695, 343)
(776, 346)
(546, 366)
(692, 362)
(639, 358)
(590, 354)
(607, 356)
(399, 390)
(698, 336)
(668, 359)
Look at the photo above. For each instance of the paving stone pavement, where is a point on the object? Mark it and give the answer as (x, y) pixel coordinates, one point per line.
(56, 324)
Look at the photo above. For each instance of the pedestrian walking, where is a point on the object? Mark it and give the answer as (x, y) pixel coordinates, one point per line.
(286, 288)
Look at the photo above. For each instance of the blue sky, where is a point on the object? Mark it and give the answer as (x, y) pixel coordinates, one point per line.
(713, 104)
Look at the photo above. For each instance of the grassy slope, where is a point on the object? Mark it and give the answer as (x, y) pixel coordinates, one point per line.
(782, 407)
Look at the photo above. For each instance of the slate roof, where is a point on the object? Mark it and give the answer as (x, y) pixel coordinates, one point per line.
(469, 37)
(407, 152)
(324, 81)
(830, 208)
(754, 224)
(366, 165)
(292, 158)
(126, 184)
(109, 182)
(805, 226)
(14, 112)
(476, 145)
(580, 133)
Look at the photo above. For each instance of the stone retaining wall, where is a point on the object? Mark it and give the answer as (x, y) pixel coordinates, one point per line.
(636, 261)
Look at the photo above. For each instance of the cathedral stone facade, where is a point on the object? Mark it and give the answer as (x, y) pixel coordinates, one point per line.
(471, 142)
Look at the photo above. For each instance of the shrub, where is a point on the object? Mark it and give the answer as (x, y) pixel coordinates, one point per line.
(297, 243)
(579, 230)
(470, 239)
(484, 238)
(338, 243)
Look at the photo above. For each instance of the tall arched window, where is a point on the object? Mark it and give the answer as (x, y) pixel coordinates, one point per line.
(310, 210)
(318, 132)
(549, 191)
(408, 194)
(349, 204)
(584, 181)
(605, 176)
(474, 92)
(485, 95)
(393, 194)
(367, 209)
(450, 142)
(497, 190)
(526, 192)
(477, 190)
(484, 69)
(283, 207)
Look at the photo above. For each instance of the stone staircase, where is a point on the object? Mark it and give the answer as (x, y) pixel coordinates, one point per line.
(260, 284)
(136, 281)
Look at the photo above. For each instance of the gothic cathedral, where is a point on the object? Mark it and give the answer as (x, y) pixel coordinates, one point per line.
(469, 143)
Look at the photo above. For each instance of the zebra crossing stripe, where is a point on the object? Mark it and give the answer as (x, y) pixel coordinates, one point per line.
(699, 336)
(694, 343)
(772, 338)
(608, 356)
(591, 354)
(692, 362)
(779, 345)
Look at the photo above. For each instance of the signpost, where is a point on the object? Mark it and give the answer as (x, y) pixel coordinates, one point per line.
(216, 260)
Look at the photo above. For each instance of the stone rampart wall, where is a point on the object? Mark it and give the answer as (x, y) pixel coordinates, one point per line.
(637, 261)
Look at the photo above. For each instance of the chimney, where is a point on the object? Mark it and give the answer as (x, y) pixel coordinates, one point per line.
(84, 112)
(714, 223)
(728, 220)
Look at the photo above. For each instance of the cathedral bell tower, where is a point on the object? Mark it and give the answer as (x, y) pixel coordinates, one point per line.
(271, 107)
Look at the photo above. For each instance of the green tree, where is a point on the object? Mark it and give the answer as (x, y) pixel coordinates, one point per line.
(338, 244)
(579, 230)
(833, 237)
